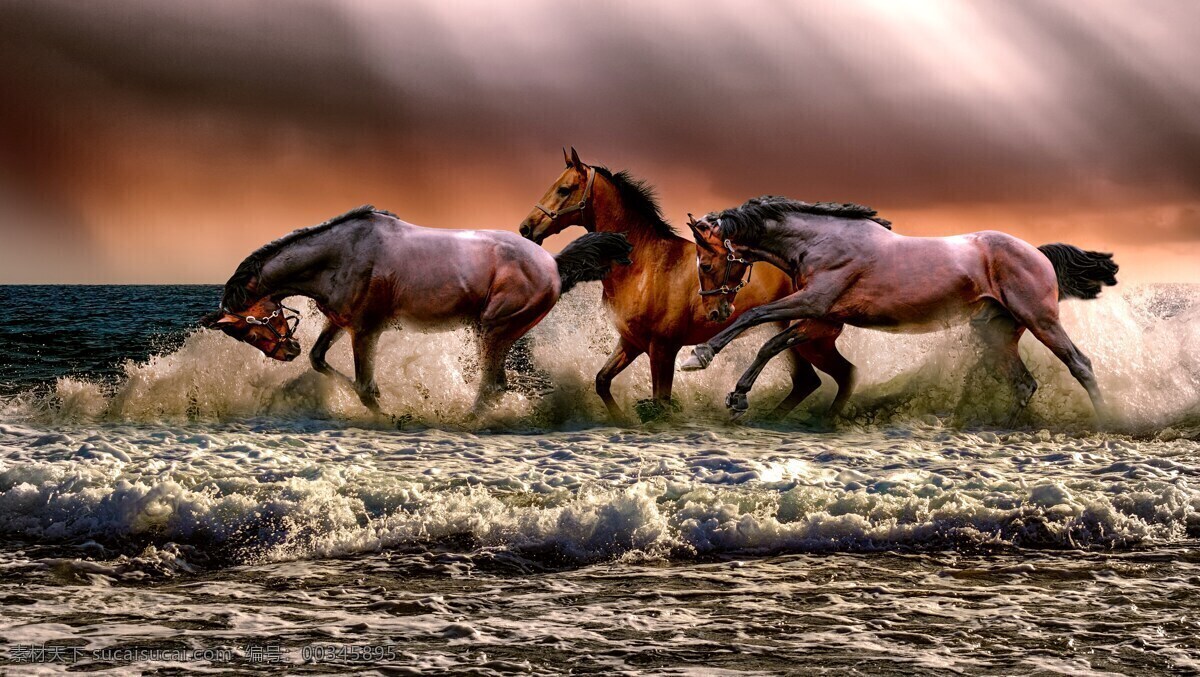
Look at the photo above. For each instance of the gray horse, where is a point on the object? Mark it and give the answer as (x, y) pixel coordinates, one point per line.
(848, 268)
(367, 271)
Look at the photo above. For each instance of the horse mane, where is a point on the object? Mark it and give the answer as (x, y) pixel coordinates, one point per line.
(237, 295)
(638, 196)
(747, 219)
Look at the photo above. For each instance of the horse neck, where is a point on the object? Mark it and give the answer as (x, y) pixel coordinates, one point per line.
(648, 244)
(303, 268)
(780, 244)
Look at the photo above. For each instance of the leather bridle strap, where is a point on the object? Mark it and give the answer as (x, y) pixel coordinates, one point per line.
(292, 321)
(580, 206)
(725, 289)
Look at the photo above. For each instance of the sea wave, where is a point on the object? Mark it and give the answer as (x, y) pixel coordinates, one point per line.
(589, 495)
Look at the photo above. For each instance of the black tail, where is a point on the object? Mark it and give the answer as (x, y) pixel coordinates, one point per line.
(591, 257)
(1081, 274)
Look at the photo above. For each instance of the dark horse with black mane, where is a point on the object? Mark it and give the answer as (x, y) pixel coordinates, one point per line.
(367, 270)
(849, 269)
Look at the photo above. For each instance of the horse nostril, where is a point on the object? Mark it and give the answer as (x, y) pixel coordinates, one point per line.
(525, 230)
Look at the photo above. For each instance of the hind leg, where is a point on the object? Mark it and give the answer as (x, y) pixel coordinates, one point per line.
(822, 352)
(804, 383)
(1055, 338)
(493, 349)
(1000, 334)
(1032, 298)
(498, 331)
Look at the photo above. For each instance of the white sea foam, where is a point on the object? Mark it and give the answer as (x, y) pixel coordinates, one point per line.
(594, 494)
(1146, 364)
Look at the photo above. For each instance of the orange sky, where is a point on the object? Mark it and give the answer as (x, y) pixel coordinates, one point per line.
(162, 142)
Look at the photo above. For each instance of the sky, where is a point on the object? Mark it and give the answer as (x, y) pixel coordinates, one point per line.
(161, 142)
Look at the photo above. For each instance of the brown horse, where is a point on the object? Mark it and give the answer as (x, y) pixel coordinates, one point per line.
(654, 302)
(849, 269)
(367, 271)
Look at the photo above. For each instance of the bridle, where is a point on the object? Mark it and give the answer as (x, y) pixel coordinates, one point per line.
(580, 206)
(292, 322)
(725, 289)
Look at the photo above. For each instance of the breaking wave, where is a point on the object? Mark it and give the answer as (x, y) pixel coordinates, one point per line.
(591, 495)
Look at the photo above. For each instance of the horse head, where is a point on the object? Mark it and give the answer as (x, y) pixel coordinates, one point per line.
(723, 272)
(265, 324)
(566, 203)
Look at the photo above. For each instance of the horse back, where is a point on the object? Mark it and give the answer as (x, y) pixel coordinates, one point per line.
(433, 276)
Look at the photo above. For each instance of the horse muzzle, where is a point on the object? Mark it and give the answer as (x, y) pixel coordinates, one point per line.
(722, 312)
(535, 229)
(286, 351)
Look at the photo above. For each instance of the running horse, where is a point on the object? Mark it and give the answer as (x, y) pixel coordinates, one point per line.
(848, 269)
(653, 302)
(367, 271)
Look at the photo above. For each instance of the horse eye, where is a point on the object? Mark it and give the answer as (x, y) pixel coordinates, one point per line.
(565, 190)
(705, 267)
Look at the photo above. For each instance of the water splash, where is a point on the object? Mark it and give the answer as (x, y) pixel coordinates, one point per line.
(1144, 342)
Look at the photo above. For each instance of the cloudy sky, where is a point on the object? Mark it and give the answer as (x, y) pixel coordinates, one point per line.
(161, 142)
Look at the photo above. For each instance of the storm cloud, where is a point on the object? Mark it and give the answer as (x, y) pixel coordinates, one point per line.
(165, 140)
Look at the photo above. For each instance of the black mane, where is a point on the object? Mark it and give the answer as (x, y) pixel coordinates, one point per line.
(639, 198)
(236, 296)
(747, 219)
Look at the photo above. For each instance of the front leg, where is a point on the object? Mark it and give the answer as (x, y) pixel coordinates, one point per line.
(329, 335)
(364, 368)
(736, 401)
(621, 358)
(813, 301)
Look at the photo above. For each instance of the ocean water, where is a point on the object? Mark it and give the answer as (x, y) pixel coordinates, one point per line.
(167, 488)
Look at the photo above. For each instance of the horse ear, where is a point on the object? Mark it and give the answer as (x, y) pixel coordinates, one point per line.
(703, 243)
(698, 226)
(699, 231)
(217, 318)
(566, 158)
(575, 159)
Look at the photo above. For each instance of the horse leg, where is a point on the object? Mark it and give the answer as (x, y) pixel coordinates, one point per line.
(1054, 337)
(364, 344)
(503, 324)
(329, 335)
(821, 351)
(493, 349)
(662, 374)
(738, 403)
(1000, 334)
(812, 301)
(621, 358)
(1040, 315)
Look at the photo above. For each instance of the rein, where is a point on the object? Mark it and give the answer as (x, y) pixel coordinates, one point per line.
(725, 289)
(580, 206)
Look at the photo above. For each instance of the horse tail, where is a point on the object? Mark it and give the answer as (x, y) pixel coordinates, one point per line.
(590, 258)
(1081, 274)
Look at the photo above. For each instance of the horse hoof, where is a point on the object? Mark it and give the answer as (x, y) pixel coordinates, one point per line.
(737, 403)
(702, 356)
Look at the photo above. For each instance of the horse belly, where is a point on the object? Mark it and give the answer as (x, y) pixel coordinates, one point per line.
(917, 319)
